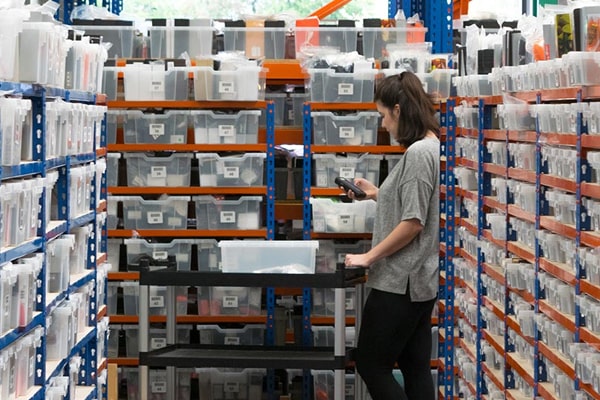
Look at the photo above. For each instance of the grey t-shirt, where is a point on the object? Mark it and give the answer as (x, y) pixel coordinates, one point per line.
(411, 190)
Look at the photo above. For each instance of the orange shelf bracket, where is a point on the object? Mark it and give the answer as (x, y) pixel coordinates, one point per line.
(329, 8)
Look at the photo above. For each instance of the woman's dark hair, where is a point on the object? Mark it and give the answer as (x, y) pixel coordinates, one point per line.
(417, 111)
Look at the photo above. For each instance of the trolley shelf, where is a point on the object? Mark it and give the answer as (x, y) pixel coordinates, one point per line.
(169, 277)
(197, 356)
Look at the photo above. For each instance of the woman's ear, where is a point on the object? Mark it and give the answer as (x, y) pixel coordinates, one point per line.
(396, 111)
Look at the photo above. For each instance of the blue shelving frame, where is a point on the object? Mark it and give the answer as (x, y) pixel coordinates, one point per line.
(86, 345)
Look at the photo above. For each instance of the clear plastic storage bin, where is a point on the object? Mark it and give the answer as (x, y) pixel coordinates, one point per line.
(169, 213)
(144, 170)
(583, 67)
(243, 213)
(353, 129)
(155, 82)
(209, 255)
(172, 38)
(168, 128)
(256, 42)
(120, 33)
(295, 256)
(331, 253)
(245, 83)
(329, 86)
(212, 127)
(323, 302)
(329, 166)
(235, 300)
(279, 99)
(244, 170)
(249, 335)
(112, 169)
(180, 248)
(333, 216)
(438, 83)
(375, 40)
(341, 38)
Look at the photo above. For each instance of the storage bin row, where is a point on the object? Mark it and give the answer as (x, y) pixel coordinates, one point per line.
(71, 129)
(289, 108)
(20, 206)
(172, 212)
(333, 216)
(329, 166)
(68, 323)
(39, 52)
(18, 363)
(473, 85)
(467, 148)
(16, 130)
(171, 127)
(18, 289)
(60, 386)
(203, 300)
(81, 181)
(269, 39)
(558, 294)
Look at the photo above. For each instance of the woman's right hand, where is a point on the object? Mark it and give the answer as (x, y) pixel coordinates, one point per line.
(370, 189)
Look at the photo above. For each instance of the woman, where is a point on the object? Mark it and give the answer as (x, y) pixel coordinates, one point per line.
(403, 260)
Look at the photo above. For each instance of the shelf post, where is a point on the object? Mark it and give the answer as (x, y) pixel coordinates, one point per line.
(144, 328)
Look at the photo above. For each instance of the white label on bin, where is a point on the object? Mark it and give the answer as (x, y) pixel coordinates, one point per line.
(227, 217)
(159, 387)
(345, 221)
(346, 132)
(158, 172)
(160, 255)
(226, 130)
(345, 89)
(177, 139)
(232, 340)
(157, 301)
(156, 130)
(231, 387)
(226, 87)
(158, 343)
(155, 217)
(350, 303)
(134, 215)
(347, 172)
(319, 225)
(349, 390)
(174, 221)
(158, 86)
(231, 173)
(322, 179)
(230, 301)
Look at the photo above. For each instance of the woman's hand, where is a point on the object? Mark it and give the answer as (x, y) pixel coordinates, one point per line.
(370, 189)
(357, 261)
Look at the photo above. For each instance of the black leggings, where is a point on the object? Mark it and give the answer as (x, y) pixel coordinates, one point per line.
(394, 329)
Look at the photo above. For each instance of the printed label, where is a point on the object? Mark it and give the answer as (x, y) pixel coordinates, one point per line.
(227, 217)
(157, 343)
(157, 301)
(158, 172)
(231, 387)
(226, 130)
(345, 221)
(347, 172)
(226, 87)
(232, 340)
(350, 303)
(156, 130)
(346, 132)
(230, 301)
(158, 387)
(157, 86)
(231, 173)
(345, 89)
(155, 217)
(349, 390)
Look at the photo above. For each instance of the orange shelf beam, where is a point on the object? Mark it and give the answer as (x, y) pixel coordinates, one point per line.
(342, 106)
(553, 225)
(521, 251)
(102, 313)
(101, 259)
(289, 135)
(492, 306)
(187, 190)
(467, 132)
(590, 190)
(556, 359)
(101, 152)
(319, 191)
(289, 210)
(589, 389)
(495, 169)
(465, 162)
(329, 8)
(123, 276)
(518, 212)
(522, 136)
(100, 98)
(515, 364)
(493, 203)
(522, 175)
(558, 270)
(187, 148)
(567, 321)
(491, 339)
(127, 362)
(467, 194)
(494, 273)
(487, 234)
(559, 139)
(128, 233)
(467, 224)
(589, 337)
(590, 239)
(589, 288)
(317, 320)
(188, 104)
(558, 183)
(591, 141)
(495, 134)
(492, 374)
(103, 365)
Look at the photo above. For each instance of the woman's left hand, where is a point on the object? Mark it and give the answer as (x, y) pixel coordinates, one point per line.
(357, 261)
